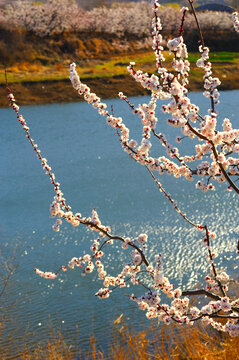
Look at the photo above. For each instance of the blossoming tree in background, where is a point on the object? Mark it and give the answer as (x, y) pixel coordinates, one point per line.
(220, 143)
(57, 16)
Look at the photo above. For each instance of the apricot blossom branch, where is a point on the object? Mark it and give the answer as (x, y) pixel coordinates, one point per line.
(172, 88)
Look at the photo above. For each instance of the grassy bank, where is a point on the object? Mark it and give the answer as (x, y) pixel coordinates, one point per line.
(34, 83)
(158, 343)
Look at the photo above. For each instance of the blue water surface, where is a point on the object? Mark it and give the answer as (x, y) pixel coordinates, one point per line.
(87, 159)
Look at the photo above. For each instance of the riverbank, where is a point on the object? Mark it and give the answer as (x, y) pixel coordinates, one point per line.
(37, 84)
(156, 342)
(37, 67)
(57, 91)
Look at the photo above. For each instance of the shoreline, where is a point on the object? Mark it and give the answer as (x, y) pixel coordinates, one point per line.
(59, 91)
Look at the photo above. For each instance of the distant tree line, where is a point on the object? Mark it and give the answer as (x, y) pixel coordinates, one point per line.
(131, 18)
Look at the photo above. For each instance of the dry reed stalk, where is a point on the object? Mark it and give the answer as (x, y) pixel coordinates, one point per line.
(171, 342)
(154, 343)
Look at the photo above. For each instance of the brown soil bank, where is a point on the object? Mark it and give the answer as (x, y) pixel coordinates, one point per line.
(40, 92)
(62, 91)
(90, 49)
(17, 45)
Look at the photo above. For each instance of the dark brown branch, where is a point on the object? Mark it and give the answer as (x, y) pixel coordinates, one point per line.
(197, 23)
(181, 30)
(227, 177)
(6, 282)
(93, 226)
(172, 151)
(200, 292)
(212, 263)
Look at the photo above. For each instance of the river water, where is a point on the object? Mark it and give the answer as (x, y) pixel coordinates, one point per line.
(88, 161)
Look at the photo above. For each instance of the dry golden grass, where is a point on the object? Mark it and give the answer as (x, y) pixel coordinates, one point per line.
(115, 65)
(54, 349)
(173, 342)
(158, 343)
(35, 83)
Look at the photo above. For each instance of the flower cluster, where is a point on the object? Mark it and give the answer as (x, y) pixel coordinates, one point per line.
(46, 274)
(235, 21)
(214, 281)
(103, 293)
(210, 83)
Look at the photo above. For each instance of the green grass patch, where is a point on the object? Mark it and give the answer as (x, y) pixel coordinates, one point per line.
(114, 66)
(217, 57)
